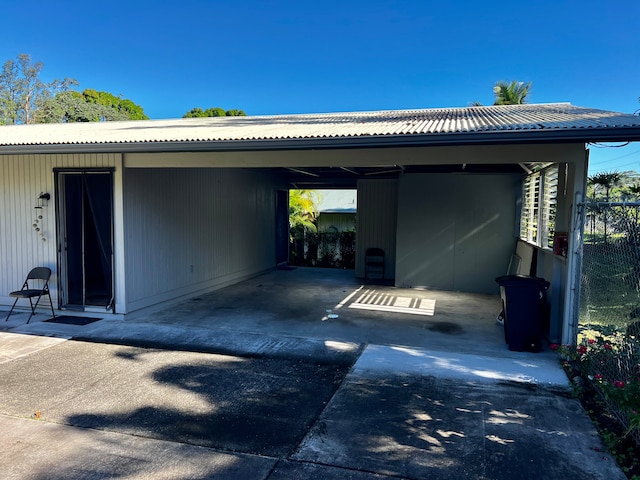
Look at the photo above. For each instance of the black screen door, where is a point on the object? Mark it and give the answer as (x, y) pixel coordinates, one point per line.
(85, 226)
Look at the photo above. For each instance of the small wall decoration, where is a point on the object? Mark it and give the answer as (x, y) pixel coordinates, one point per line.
(41, 202)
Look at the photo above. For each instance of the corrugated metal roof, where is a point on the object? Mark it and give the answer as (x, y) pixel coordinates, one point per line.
(537, 122)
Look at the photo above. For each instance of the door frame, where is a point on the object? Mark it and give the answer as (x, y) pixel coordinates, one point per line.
(62, 262)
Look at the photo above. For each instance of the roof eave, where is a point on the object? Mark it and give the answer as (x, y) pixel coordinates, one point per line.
(613, 134)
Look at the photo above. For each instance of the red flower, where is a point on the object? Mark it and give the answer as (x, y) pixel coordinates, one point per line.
(554, 346)
(591, 341)
(582, 349)
(618, 384)
(598, 376)
(607, 346)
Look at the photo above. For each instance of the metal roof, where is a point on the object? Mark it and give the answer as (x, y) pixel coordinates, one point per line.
(438, 126)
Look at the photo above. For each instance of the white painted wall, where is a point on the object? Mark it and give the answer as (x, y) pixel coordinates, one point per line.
(342, 222)
(189, 230)
(22, 178)
(455, 231)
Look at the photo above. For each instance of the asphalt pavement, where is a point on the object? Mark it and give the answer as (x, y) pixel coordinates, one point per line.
(103, 401)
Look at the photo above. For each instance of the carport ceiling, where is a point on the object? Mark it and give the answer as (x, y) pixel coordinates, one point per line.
(347, 177)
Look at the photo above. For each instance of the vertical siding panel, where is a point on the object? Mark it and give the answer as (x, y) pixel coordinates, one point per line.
(22, 178)
(214, 219)
(377, 214)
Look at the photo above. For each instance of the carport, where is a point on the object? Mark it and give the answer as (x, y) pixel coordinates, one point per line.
(197, 204)
(331, 306)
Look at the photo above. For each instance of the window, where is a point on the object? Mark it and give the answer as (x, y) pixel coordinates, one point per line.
(539, 203)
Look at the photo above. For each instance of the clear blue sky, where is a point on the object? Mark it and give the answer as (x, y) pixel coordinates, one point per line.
(270, 57)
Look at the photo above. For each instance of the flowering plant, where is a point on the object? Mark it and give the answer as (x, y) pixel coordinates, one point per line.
(610, 359)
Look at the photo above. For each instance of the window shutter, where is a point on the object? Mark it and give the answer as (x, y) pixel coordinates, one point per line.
(530, 206)
(549, 205)
(539, 205)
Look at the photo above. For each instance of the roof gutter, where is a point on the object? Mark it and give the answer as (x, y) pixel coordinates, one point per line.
(510, 137)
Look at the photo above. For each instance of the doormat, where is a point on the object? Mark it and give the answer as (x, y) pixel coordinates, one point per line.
(70, 320)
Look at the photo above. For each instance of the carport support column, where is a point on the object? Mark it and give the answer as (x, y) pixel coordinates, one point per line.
(118, 236)
(574, 253)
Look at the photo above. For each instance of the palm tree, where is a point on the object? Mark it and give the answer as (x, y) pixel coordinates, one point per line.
(606, 180)
(302, 210)
(512, 93)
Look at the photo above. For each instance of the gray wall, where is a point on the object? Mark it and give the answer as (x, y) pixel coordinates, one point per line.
(455, 231)
(376, 219)
(22, 178)
(189, 230)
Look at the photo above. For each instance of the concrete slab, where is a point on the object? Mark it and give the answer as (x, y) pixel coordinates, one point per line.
(259, 369)
(38, 450)
(15, 345)
(293, 470)
(520, 367)
(426, 427)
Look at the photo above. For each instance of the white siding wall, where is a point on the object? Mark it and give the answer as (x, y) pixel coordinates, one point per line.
(22, 178)
(455, 231)
(188, 230)
(343, 222)
(376, 219)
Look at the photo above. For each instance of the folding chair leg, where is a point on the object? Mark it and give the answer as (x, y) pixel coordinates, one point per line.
(33, 308)
(51, 303)
(11, 311)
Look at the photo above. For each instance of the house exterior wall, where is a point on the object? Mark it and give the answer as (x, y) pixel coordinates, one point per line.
(455, 231)
(342, 222)
(377, 213)
(189, 230)
(22, 179)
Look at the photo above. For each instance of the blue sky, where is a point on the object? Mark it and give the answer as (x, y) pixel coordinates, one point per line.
(271, 57)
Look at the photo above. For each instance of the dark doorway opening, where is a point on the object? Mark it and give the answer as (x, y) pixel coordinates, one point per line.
(282, 227)
(85, 227)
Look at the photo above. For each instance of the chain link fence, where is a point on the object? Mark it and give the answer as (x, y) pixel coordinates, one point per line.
(609, 326)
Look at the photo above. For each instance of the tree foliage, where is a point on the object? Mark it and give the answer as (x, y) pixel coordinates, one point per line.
(25, 98)
(511, 93)
(605, 181)
(302, 211)
(23, 93)
(213, 112)
(88, 106)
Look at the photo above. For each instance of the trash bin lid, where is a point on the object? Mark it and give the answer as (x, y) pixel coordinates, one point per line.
(521, 281)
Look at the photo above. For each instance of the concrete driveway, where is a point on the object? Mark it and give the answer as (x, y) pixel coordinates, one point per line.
(195, 391)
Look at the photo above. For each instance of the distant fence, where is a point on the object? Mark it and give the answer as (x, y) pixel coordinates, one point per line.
(324, 249)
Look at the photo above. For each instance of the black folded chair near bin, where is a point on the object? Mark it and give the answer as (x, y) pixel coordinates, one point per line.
(523, 299)
(35, 285)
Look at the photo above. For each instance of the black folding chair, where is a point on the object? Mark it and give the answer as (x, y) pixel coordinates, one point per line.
(41, 274)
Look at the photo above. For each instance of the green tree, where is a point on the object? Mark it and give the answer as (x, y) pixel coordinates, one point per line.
(22, 92)
(508, 93)
(213, 112)
(235, 113)
(122, 105)
(511, 93)
(604, 181)
(88, 106)
(302, 211)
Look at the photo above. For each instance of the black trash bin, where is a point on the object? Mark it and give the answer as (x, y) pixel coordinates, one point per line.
(522, 304)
